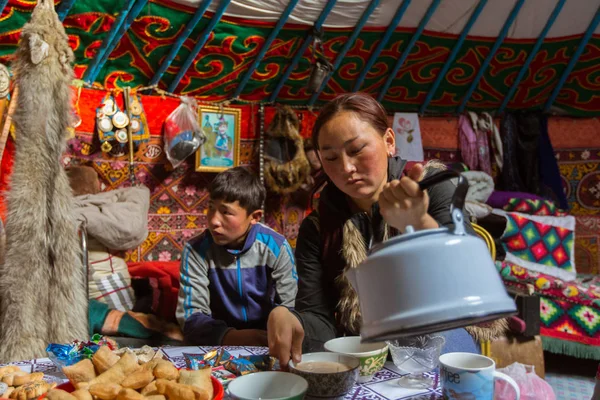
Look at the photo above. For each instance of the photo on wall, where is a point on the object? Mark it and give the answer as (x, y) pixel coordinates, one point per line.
(221, 126)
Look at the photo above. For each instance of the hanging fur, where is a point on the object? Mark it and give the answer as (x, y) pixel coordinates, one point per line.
(42, 294)
(287, 167)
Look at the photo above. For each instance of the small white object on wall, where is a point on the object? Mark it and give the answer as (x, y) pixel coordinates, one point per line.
(408, 136)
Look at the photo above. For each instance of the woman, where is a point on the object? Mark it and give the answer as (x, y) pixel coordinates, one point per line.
(366, 201)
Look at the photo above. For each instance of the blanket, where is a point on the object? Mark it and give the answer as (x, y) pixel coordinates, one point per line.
(117, 218)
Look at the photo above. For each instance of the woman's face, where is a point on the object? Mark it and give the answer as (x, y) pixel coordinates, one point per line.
(354, 155)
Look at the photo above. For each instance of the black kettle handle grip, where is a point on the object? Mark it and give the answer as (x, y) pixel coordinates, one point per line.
(460, 194)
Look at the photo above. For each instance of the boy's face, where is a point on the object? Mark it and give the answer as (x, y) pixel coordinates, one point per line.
(229, 223)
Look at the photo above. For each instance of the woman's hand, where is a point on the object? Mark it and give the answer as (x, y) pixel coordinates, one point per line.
(285, 335)
(403, 203)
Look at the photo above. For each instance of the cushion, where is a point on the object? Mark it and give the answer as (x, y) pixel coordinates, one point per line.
(541, 243)
(109, 279)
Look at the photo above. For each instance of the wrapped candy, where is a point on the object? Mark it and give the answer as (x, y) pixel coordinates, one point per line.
(71, 353)
(223, 375)
(194, 361)
(240, 366)
(262, 363)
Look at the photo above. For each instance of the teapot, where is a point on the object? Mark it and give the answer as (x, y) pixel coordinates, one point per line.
(430, 280)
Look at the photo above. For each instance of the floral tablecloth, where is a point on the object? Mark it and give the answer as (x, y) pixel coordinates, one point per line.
(384, 385)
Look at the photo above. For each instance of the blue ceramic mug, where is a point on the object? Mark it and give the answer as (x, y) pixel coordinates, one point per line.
(470, 376)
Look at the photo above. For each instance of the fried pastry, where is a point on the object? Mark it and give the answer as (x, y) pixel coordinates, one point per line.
(105, 391)
(138, 379)
(83, 371)
(59, 394)
(104, 359)
(165, 370)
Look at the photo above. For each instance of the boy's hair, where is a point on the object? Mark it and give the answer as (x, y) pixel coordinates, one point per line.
(238, 184)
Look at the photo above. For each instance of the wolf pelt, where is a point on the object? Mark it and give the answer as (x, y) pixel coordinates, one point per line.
(42, 294)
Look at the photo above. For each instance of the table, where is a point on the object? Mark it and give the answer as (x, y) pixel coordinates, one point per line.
(383, 386)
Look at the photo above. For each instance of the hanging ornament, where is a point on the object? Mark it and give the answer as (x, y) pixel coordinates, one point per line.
(321, 67)
(4, 81)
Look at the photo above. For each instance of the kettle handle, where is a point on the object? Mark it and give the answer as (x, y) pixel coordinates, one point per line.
(458, 198)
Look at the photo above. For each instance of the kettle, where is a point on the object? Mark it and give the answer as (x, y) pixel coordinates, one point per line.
(430, 280)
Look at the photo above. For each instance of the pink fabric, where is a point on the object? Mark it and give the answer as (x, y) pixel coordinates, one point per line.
(468, 142)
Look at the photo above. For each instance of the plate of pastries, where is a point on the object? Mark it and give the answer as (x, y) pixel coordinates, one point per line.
(115, 376)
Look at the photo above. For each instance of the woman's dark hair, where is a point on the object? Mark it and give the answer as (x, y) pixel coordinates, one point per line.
(363, 105)
(238, 184)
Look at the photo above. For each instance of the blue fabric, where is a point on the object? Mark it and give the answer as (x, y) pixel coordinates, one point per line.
(459, 340)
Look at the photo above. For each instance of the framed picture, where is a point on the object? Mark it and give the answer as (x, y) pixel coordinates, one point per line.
(221, 151)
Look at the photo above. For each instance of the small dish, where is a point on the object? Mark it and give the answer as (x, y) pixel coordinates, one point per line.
(269, 385)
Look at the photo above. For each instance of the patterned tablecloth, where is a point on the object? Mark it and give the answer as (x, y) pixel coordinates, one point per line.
(384, 385)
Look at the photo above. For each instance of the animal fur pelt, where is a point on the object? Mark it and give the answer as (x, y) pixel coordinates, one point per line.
(283, 175)
(42, 294)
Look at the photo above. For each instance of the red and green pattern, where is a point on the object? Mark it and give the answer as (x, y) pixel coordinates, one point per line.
(569, 310)
(234, 43)
(534, 207)
(538, 242)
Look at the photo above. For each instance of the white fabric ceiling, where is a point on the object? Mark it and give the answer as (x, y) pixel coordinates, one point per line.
(450, 16)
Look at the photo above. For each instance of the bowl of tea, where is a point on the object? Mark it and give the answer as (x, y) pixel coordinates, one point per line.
(372, 356)
(329, 375)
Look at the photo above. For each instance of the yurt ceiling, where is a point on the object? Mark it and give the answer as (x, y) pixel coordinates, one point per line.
(426, 56)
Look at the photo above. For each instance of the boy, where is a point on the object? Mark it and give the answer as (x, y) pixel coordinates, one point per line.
(237, 270)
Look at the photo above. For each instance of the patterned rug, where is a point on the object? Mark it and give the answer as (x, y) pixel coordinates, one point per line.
(571, 387)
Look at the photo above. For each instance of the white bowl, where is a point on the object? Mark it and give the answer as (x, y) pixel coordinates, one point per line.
(270, 385)
(372, 356)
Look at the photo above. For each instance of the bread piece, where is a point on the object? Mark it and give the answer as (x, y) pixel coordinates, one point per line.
(8, 369)
(130, 394)
(166, 370)
(138, 379)
(104, 359)
(31, 390)
(9, 378)
(23, 379)
(82, 394)
(199, 378)
(177, 391)
(150, 389)
(59, 394)
(8, 392)
(105, 391)
(156, 397)
(83, 371)
(126, 366)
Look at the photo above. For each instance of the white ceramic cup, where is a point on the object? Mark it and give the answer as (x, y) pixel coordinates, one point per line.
(466, 374)
(270, 385)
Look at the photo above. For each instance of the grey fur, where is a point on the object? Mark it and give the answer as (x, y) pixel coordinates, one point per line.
(42, 294)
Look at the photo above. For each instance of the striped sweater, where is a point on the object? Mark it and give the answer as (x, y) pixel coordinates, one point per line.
(223, 288)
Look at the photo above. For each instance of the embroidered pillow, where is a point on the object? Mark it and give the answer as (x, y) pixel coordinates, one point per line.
(534, 207)
(541, 243)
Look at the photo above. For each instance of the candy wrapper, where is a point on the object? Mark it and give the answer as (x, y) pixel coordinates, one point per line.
(222, 361)
(63, 355)
(223, 375)
(262, 363)
(240, 367)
